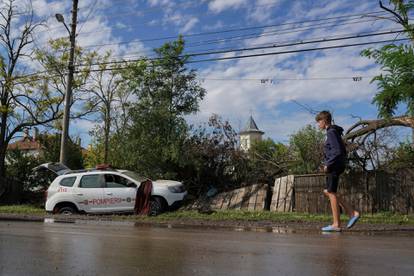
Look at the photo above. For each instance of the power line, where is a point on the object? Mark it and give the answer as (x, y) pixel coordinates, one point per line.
(294, 44)
(251, 35)
(273, 46)
(292, 30)
(349, 16)
(92, 8)
(299, 51)
(355, 78)
(269, 25)
(276, 32)
(269, 44)
(127, 63)
(280, 32)
(263, 80)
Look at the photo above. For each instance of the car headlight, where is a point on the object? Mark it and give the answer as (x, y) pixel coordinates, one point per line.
(176, 189)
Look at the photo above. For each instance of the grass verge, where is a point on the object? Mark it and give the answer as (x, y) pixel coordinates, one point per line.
(238, 215)
(22, 209)
(233, 215)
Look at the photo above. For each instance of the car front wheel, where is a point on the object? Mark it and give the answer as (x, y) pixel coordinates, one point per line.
(156, 206)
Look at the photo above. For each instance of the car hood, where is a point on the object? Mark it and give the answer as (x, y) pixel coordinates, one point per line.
(165, 182)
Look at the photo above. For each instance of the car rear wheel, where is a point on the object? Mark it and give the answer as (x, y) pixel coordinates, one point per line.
(67, 210)
(156, 206)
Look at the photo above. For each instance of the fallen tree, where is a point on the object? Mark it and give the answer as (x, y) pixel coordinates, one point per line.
(363, 128)
(364, 141)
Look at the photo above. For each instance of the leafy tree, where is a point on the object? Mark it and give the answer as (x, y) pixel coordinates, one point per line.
(19, 169)
(401, 157)
(25, 186)
(51, 150)
(307, 150)
(212, 158)
(23, 102)
(396, 84)
(107, 93)
(54, 60)
(166, 91)
(269, 160)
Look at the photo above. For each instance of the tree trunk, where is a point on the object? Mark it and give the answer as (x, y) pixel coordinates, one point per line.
(365, 127)
(3, 145)
(2, 163)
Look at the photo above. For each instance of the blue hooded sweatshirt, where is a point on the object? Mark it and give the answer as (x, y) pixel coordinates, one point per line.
(335, 152)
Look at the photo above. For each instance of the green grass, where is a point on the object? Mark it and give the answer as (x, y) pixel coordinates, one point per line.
(239, 215)
(233, 215)
(22, 209)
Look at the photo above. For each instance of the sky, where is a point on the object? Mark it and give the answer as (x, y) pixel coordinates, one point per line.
(277, 90)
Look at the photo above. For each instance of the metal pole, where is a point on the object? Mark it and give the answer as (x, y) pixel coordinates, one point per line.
(68, 94)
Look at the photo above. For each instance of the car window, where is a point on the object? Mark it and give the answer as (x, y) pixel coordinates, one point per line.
(116, 181)
(91, 181)
(67, 181)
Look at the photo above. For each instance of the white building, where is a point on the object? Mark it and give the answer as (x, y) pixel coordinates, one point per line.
(250, 134)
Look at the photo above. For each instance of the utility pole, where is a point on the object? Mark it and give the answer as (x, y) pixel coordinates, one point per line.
(69, 82)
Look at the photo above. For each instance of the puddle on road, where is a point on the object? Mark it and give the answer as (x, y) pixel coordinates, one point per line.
(265, 229)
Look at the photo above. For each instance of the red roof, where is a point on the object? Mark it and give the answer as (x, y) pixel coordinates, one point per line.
(25, 144)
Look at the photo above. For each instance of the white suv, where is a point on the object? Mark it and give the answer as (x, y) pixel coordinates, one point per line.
(106, 191)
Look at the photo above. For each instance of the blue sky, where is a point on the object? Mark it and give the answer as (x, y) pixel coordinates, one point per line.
(234, 87)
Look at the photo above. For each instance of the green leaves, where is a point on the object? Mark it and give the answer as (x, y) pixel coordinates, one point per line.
(396, 84)
(164, 91)
(307, 147)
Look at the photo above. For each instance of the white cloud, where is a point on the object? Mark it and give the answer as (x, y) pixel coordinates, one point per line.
(159, 2)
(263, 9)
(44, 8)
(218, 25)
(218, 6)
(189, 25)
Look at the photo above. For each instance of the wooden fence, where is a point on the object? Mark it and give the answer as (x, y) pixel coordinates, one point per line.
(367, 192)
(252, 198)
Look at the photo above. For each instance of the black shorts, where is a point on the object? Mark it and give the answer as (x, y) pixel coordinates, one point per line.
(332, 179)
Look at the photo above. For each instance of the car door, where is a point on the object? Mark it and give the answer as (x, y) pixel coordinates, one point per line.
(119, 193)
(90, 193)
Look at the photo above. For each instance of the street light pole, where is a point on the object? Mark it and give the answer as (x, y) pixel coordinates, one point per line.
(68, 95)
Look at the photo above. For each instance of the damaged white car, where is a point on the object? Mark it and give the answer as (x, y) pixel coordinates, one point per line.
(106, 190)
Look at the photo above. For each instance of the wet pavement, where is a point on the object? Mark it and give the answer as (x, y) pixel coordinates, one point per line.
(33, 248)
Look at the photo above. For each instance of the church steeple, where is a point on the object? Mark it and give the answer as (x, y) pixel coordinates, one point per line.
(250, 134)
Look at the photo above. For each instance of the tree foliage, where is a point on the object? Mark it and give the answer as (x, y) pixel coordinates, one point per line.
(307, 150)
(401, 157)
(50, 151)
(212, 158)
(106, 92)
(24, 101)
(269, 160)
(396, 84)
(164, 91)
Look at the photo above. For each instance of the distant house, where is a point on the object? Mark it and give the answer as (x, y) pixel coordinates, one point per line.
(250, 134)
(28, 145)
(31, 146)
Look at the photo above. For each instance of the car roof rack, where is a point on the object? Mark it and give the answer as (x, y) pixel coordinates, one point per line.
(104, 167)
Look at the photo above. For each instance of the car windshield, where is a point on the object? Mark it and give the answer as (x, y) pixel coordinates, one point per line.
(135, 176)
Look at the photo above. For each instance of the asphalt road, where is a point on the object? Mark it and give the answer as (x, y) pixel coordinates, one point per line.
(31, 248)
